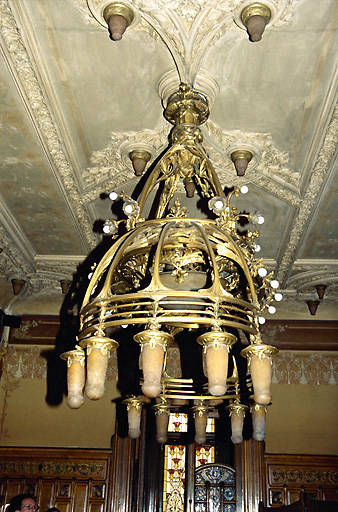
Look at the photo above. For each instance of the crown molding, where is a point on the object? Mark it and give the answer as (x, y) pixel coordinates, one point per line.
(26, 81)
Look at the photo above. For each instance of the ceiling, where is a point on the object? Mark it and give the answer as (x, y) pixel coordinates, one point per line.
(74, 103)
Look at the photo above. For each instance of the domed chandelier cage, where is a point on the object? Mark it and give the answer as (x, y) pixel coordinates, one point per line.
(174, 276)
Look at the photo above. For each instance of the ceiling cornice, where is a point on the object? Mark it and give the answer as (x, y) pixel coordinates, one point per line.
(25, 78)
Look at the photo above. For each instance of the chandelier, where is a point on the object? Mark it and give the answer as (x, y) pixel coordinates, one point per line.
(171, 276)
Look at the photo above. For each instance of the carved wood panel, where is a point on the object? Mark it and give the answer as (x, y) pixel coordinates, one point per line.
(288, 475)
(74, 480)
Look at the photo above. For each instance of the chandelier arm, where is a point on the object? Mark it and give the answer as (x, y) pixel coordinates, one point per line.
(155, 177)
(112, 253)
(244, 264)
(197, 150)
(155, 283)
(213, 179)
(149, 185)
(167, 194)
(216, 284)
(100, 268)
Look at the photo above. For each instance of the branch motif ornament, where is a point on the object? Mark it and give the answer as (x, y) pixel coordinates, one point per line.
(270, 173)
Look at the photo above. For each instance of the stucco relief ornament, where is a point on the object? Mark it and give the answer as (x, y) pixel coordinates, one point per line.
(309, 276)
(267, 162)
(188, 28)
(11, 258)
(112, 162)
(42, 118)
(310, 198)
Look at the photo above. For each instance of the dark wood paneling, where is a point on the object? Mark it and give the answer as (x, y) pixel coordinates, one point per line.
(288, 475)
(74, 480)
(301, 334)
(284, 334)
(36, 329)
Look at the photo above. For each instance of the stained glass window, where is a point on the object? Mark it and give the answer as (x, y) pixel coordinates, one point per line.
(174, 478)
(178, 422)
(215, 488)
(204, 455)
(175, 462)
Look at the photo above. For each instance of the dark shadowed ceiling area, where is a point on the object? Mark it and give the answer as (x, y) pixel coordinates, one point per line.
(74, 103)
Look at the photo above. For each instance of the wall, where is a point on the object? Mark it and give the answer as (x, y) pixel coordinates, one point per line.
(303, 418)
(28, 420)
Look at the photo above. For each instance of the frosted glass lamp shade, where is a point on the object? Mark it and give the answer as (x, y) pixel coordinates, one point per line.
(216, 348)
(256, 26)
(75, 376)
(134, 421)
(75, 383)
(162, 421)
(217, 368)
(97, 364)
(152, 365)
(258, 413)
(201, 419)
(261, 369)
(237, 421)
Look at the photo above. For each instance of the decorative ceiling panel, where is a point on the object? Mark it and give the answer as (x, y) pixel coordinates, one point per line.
(74, 104)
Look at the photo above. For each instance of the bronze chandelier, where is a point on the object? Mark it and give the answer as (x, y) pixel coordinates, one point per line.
(172, 273)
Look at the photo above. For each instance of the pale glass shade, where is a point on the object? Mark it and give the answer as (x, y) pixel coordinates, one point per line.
(134, 421)
(152, 365)
(162, 421)
(75, 382)
(97, 364)
(201, 419)
(261, 369)
(237, 421)
(258, 414)
(217, 368)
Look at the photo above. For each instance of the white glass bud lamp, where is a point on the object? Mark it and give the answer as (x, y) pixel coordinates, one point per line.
(162, 421)
(201, 419)
(98, 353)
(134, 412)
(237, 415)
(153, 347)
(260, 363)
(258, 414)
(216, 347)
(75, 377)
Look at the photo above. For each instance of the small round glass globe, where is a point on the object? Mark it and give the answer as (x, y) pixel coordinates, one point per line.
(262, 272)
(219, 204)
(260, 219)
(106, 229)
(113, 196)
(272, 310)
(274, 283)
(278, 297)
(244, 189)
(257, 247)
(261, 320)
(129, 208)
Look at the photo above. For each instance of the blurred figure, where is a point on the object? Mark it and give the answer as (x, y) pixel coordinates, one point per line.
(22, 502)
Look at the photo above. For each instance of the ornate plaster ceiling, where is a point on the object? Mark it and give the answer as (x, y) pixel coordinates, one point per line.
(74, 103)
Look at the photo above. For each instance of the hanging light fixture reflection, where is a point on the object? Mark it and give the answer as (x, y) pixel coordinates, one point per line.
(173, 274)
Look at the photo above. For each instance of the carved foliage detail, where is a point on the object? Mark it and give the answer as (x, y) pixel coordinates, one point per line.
(304, 476)
(72, 469)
